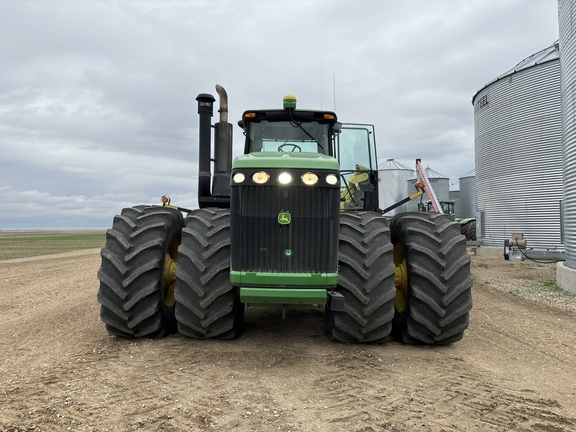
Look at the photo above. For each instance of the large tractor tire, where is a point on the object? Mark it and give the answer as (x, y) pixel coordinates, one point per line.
(365, 279)
(207, 305)
(433, 279)
(471, 230)
(137, 278)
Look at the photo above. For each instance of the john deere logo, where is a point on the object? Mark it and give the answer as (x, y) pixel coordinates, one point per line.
(284, 218)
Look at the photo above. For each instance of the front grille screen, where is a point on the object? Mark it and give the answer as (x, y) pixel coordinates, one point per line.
(308, 244)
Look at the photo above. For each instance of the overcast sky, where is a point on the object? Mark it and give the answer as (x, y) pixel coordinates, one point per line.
(97, 98)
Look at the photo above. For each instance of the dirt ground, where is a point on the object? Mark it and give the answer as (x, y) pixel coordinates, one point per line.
(515, 369)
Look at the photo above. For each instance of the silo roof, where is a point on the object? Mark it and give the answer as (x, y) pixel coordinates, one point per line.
(430, 173)
(543, 56)
(392, 164)
(471, 173)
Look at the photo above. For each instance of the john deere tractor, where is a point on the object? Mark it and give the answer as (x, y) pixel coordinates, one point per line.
(294, 222)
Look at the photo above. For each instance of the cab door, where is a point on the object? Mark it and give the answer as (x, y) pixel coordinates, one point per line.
(356, 153)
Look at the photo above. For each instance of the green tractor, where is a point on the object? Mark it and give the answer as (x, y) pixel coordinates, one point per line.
(467, 225)
(294, 222)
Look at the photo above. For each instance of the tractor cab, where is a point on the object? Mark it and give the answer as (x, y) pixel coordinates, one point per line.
(296, 132)
(447, 207)
(289, 130)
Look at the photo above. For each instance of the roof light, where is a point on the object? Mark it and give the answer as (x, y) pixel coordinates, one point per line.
(328, 117)
(250, 115)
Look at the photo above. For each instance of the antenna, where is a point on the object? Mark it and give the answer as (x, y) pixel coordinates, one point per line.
(334, 89)
(321, 84)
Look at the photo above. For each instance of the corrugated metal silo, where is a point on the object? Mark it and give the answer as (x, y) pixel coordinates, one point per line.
(518, 143)
(439, 182)
(567, 21)
(468, 195)
(392, 176)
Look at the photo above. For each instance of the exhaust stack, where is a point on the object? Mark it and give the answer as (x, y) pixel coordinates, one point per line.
(205, 110)
(216, 192)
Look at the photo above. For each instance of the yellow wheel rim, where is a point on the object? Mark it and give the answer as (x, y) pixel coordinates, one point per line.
(400, 278)
(169, 274)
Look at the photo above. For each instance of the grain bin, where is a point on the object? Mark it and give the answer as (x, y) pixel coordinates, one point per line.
(392, 177)
(566, 271)
(468, 195)
(518, 148)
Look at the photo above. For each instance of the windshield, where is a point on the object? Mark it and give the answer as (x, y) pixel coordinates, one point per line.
(289, 136)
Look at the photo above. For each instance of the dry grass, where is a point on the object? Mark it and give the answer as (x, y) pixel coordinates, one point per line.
(23, 244)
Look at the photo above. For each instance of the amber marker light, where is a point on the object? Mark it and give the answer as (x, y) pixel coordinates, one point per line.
(420, 185)
(250, 115)
(328, 117)
(165, 200)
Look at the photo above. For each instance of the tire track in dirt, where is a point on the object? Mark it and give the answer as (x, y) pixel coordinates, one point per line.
(444, 392)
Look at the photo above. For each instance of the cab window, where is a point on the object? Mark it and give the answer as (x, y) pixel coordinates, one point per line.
(288, 136)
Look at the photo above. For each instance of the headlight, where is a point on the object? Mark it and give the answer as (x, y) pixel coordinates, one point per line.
(309, 178)
(260, 177)
(285, 178)
(239, 178)
(332, 179)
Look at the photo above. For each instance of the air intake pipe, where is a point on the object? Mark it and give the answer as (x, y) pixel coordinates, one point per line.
(205, 110)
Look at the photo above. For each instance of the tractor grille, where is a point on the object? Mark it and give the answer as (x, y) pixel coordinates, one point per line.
(308, 244)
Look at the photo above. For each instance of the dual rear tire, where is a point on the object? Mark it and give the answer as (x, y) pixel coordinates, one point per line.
(410, 279)
(159, 275)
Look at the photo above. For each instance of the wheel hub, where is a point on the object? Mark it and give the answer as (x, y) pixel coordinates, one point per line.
(400, 278)
(169, 274)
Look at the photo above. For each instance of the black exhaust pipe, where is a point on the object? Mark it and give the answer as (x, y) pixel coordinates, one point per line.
(205, 110)
(214, 192)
